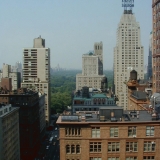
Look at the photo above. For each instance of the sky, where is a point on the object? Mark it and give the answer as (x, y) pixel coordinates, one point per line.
(70, 28)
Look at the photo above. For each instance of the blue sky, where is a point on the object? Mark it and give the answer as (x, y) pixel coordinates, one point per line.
(70, 28)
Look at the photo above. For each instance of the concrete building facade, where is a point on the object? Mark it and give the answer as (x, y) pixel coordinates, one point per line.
(15, 76)
(36, 71)
(156, 45)
(128, 55)
(149, 67)
(92, 69)
(9, 133)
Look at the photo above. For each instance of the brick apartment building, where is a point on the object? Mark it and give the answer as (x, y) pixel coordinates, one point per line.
(113, 134)
(31, 119)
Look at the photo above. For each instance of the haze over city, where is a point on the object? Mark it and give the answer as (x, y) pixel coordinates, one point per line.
(69, 27)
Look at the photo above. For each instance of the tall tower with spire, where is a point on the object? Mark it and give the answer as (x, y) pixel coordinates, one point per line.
(128, 53)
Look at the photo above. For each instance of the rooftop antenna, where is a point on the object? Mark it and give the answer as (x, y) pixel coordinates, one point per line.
(128, 5)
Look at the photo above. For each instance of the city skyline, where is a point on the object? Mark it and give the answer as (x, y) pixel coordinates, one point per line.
(70, 28)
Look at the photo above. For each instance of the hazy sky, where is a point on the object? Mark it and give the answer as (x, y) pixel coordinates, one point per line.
(69, 27)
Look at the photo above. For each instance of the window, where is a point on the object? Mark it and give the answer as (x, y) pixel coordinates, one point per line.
(95, 146)
(114, 132)
(113, 158)
(148, 158)
(113, 146)
(67, 149)
(149, 146)
(73, 132)
(72, 149)
(131, 146)
(96, 132)
(150, 131)
(131, 158)
(95, 158)
(131, 131)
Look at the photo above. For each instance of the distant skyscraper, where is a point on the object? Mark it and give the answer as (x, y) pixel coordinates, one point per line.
(149, 67)
(17, 68)
(36, 70)
(92, 69)
(15, 76)
(128, 55)
(156, 45)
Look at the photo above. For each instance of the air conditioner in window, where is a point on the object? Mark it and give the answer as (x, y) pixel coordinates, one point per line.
(153, 142)
(134, 136)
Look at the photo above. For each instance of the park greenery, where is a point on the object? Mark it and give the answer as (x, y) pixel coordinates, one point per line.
(63, 84)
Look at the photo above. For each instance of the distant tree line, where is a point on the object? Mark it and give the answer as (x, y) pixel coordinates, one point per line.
(63, 83)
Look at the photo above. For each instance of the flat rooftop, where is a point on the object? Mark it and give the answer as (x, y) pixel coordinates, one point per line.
(127, 117)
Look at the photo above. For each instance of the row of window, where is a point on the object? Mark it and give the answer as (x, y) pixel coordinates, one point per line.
(127, 158)
(149, 146)
(114, 131)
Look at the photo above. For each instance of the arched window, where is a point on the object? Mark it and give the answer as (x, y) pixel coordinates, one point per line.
(67, 149)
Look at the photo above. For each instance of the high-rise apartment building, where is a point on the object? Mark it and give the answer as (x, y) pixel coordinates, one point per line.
(9, 133)
(92, 69)
(128, 55)
(36, 71)
(156, 45)
(149, 67)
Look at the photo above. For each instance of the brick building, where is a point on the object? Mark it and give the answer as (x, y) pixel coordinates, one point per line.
(31, 119)
(113, 134)
(156, 45)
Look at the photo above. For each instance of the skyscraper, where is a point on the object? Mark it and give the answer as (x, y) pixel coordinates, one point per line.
(92, 69)
(149, 67)
(128, 55)
(36, 70)
(156, 45)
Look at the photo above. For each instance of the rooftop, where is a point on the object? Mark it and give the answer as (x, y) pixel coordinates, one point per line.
(83, 117)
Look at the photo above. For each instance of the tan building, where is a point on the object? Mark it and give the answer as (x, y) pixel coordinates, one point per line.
(128, 55)
(113, 134)
(15, 76)
(156, 45)
(92, 69)
(36, 71)
(9, 133)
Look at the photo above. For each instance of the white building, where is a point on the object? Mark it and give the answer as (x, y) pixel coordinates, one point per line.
(128, 55)
(92, 69)
(36, 70)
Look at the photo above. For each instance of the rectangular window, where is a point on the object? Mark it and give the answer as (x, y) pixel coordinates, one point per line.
(148, 158)
(131, 146)
(113, 146)
(96, 132)
(131, 158)
(113, 158)
(132, 131)
(95, 158)
(114, 132)
(149, 130)
(95, 146)
(149, 146)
